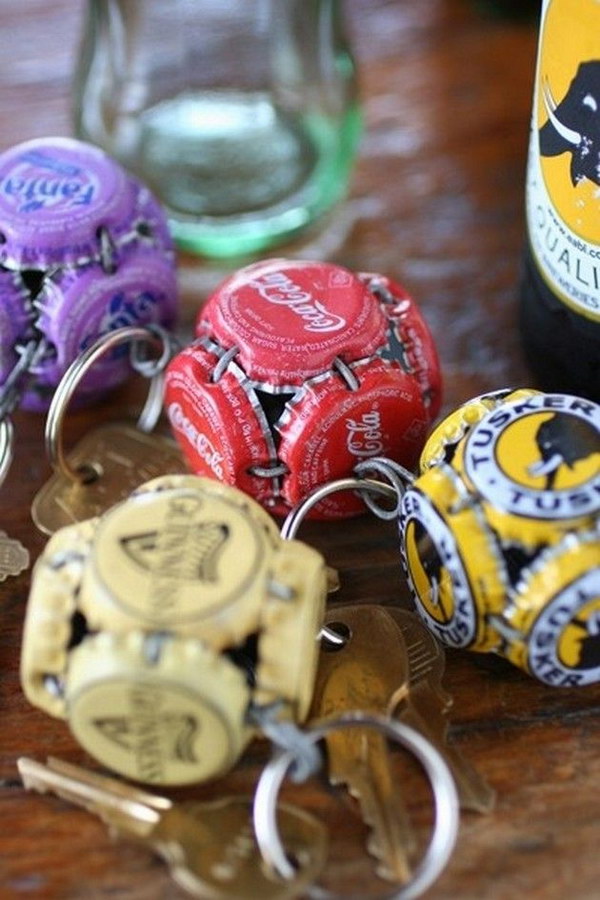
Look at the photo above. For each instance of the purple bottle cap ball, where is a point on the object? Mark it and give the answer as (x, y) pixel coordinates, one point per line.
(55, 195)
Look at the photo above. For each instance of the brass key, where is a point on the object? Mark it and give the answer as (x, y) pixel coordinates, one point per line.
(209, 847)
(365, 674)
(426, 706)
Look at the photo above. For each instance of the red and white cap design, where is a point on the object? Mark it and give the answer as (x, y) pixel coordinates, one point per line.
(299, 371)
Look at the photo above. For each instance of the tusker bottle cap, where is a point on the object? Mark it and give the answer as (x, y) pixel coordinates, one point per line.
(499, 533)
(299, 371)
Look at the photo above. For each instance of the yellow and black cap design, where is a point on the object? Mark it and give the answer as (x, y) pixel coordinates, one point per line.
(499, 533)
(538, 458)
(453, 566)
(554, 616)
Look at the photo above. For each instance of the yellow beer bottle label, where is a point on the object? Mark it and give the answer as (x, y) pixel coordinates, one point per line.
(158, 710)
(556, 614)
(563, 178)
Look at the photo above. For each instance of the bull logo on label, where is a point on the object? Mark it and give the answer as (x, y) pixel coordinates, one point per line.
(564, 645)
(573, 124)
(538, 458)
(436, 572)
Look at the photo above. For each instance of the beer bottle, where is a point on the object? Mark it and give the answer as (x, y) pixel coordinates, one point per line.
(560, 291)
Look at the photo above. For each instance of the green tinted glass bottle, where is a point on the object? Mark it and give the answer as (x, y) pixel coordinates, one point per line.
(560, 296)
(241, 114)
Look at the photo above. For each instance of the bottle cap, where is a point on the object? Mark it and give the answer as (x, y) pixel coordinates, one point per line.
(162, 710)
(290, 319)
(78, 305)
(49, 617)
(291, 618)
(15, 315)
(454, 567)
(300, 371)
(447, 434)
(409, 339)
(534, 463)
(500, 533)
(332, 428)
(55, 195)
(553, 617)
(218, 421)
(187, 559)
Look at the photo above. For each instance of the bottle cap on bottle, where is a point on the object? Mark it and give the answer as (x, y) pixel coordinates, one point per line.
(300, 371)
(155, 708)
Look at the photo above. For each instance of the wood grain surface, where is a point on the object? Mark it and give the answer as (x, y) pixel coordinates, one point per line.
(436, 202)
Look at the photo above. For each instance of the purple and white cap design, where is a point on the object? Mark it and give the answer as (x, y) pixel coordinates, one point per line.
(55, 195)
(80, 305)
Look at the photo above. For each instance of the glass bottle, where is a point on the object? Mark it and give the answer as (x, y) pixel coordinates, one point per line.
(560, 291)
(241, 115)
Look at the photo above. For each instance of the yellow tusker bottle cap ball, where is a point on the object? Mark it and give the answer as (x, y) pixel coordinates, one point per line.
(506, 481)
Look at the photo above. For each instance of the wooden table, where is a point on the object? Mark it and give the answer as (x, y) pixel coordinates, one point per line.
(437, 202)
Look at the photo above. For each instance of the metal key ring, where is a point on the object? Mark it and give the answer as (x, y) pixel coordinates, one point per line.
(7, 442)
(79, 368)
(398, 476)
(445, 830)
(296, 516)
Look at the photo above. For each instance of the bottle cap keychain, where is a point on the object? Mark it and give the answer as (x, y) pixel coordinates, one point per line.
(500, 532)
(299, 371)
(161, 628)
(84, 248)
(113, 459)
